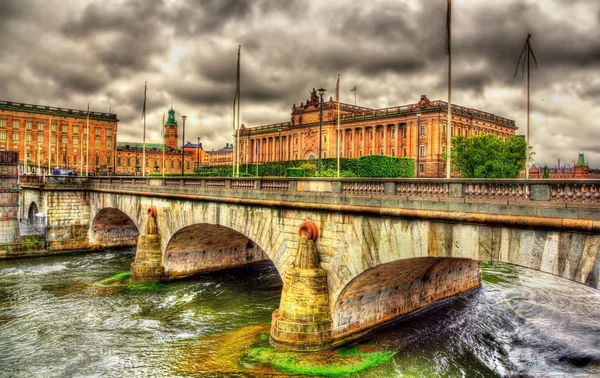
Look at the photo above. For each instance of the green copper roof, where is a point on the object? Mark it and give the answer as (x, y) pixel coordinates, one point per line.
(158, 146)
(171, 121)
(580, 161)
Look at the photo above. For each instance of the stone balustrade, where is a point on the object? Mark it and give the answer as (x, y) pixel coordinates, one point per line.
(506, 191)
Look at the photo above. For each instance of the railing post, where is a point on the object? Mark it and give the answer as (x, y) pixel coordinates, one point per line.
(293, 186)
(227, 184)
(456, 190)
(539, 192)
(336, 186)
(258, 184)
(389, 188)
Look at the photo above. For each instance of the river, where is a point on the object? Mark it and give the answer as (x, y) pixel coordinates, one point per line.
(77, 316)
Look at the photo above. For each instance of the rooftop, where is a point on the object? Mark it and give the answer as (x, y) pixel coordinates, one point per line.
(56, 111)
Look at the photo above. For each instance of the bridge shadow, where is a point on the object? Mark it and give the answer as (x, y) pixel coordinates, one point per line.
(113, 228)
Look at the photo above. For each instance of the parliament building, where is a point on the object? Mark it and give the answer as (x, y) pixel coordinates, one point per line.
(416, 131)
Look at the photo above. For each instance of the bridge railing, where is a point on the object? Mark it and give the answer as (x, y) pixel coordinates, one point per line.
(472, 190)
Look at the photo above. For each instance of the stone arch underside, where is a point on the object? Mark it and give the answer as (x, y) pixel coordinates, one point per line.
(33, 209)
(398, 288)
(113, 228)
(207, 247)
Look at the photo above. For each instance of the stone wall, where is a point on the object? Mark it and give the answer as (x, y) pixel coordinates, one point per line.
(112, 228)
(68, 219)
(9, 197)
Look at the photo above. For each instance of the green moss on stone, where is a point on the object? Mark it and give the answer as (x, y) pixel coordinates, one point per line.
(343, 362)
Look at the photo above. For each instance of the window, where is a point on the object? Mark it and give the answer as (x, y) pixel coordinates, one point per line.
(15, 136)
(108, 159)
(75, 129)
(108, 132)
(15, 123)
(119, 161)
(393, 133)
(65, 128)
(296, 141)
(360, 136)
(172, 164)
(40, 138)
(324, 138)
(393, 152)
(108, 143)
(452, 131)
(381, 152)
(324, 155)
(40, 126)
(467, 133)
(28, 137)
(128, 161)
(2, 135)
(97, 131)
(404, 131)
(459, 131)
(75, 141)
(53, 127)
(382, 133)
(53, 138)
(3, 123)
(405, 152)
(371, 134)
(97, 142)
(28, 125)
(422, 131)
(421, 168)
(422, 151)
(64, 139)
(97, 159)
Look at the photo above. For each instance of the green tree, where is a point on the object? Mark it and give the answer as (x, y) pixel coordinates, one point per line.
(546, 172)
(487, 156)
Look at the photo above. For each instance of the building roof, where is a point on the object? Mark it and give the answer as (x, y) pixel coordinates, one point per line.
(158, 146)
(57, 111)
(228, 148)
(192, 145)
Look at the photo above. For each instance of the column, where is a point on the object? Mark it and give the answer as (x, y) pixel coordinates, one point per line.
(398, 138)
(363, 130)
(385, 140)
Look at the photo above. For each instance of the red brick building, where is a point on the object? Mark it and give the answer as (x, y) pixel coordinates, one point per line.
(580, 170)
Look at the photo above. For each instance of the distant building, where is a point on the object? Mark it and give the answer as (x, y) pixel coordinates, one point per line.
(580, 170)
(415, 130)
(48, 137)
(201, 157)
(130, 155)
(224, 156)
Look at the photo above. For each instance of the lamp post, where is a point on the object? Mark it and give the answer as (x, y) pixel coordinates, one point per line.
(198, 148)
(182, 144)
(418, 144)
(321, 92)
(279, 158)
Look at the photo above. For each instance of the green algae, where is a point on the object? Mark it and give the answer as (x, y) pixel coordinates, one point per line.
(339, 362)
(123, 280)
(498, 274)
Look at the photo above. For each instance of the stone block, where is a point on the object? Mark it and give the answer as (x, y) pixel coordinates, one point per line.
(456, 190)
(539, 192)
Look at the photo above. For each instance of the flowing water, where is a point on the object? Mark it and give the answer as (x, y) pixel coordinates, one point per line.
(61, 317)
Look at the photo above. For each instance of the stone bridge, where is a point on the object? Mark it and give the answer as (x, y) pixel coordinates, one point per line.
(352, 253)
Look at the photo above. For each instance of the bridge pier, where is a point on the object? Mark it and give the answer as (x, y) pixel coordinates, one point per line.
(148, 263)
(303, 321)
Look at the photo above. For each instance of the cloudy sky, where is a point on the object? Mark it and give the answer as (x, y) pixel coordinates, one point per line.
(67, 53)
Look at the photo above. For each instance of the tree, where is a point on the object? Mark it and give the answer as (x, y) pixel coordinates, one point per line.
(546, 172)
(487, 156)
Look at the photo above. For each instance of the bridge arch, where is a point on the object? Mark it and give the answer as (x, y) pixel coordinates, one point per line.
(393, 289)
(204, 247)
(112, 227)
(33, 209)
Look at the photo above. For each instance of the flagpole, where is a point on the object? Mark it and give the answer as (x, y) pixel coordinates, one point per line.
(233, 135)
(163, 132)
(87, 150)
(144, 140)
(49, 142)
(337, 93)
(239, 95)
(449, 118)
(527, 149)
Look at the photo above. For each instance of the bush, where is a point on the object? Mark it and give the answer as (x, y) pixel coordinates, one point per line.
(207, 174)
(309, 168)
(295, 172)
(385, 166)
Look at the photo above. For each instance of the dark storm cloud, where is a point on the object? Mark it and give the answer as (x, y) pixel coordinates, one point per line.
(102, 52)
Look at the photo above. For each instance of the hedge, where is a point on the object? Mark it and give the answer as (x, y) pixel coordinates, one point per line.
(295, 172)
(385, 166)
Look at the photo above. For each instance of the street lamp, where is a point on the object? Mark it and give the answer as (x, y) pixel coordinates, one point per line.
(198, 148)
(321, 92)
(182, 144)
(279, 159)
(418, 145)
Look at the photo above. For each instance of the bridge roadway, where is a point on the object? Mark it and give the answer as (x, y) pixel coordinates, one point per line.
(352, 253)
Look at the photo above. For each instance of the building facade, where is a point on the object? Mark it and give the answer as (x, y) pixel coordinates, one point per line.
(46, 137)
(201, 157)
(416, 131)
(580, 170)
(223, 156)
(9, 197)
(159, 160)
